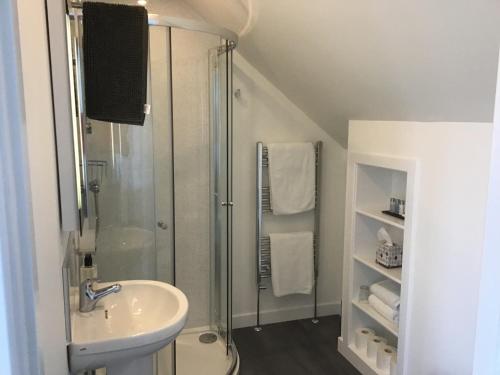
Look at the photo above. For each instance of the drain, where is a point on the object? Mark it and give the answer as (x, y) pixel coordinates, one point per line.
(208, 338)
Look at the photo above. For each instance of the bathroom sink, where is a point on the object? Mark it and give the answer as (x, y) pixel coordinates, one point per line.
(127, 328)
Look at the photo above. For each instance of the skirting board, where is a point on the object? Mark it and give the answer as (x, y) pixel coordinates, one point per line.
(286, 314)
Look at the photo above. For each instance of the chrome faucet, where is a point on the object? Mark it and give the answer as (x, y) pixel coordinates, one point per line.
(89, 297)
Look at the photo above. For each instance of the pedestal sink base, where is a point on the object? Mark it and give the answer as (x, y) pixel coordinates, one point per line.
(142, 366)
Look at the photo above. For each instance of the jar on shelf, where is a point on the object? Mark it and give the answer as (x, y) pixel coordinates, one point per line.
(364, 293)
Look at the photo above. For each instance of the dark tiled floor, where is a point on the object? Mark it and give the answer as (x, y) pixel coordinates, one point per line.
(289, 348)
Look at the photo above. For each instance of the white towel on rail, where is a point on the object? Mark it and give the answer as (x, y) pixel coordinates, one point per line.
(292, 263)
(292, 177)
(388, 292)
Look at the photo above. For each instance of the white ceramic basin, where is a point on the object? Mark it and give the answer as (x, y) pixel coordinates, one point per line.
(126, 328)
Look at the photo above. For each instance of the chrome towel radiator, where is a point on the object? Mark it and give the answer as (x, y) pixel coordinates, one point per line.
(263, 242)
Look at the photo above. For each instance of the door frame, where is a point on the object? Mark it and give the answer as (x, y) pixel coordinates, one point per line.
(221, 192)
(487, 346)
(18, 338)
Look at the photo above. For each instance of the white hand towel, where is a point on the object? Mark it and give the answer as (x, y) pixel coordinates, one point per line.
(292, 177)
(388, 292)
(384, 310)
(292, 263)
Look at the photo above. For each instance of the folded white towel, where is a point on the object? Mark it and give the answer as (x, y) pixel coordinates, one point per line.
(384, 310)
(388, 292)
(292, 177)
(292, 263)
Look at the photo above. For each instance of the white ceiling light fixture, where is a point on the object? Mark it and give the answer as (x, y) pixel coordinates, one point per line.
(142, 2)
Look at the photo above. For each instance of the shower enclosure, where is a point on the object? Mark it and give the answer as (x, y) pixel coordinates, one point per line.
(157, 198)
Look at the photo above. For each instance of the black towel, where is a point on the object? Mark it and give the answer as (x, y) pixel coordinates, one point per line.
(115, 50)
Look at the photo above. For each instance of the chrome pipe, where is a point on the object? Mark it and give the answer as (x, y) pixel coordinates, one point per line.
(317, 213)
(263, 243)
(95, 188)
(258, 237)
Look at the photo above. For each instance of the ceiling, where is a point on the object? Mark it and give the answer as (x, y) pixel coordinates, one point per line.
(426, 60)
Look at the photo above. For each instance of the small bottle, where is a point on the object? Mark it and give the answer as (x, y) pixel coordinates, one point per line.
(402, 204)
(394, 205)
(89, 269)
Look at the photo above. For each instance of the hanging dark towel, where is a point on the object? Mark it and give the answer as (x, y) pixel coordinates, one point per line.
(115, 50)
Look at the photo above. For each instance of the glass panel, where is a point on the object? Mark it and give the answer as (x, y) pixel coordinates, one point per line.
(200, 120)
(221, 189)
(161, 109)
(137, 200)
(129, 185)
(122, 186)
(130, 178)
(190, 85)
(192, 171)
(229, 127)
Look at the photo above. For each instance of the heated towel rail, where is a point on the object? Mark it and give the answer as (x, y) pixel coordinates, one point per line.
(263, 242)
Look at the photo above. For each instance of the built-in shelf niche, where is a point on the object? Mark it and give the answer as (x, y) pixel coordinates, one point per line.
(375, 187)
(366, 276)
(372, 181)
(365, 239)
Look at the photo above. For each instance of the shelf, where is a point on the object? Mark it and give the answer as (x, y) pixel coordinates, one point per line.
(372, 181)
(362, 363)
(379, 216)
(391, 273)
(372, 364)
(368, 310)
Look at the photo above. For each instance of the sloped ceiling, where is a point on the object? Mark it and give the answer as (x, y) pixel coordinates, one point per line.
(425, 60)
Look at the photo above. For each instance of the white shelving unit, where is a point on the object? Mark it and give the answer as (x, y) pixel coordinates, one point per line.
(372, 180)
(377, 214)
(391, 273)
(368, 310)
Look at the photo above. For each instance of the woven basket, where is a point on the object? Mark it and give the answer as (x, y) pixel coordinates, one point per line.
(390, 256)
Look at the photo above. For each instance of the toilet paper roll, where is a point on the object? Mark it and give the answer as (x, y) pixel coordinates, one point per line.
(361, 338)
(394, 365)
(385, 355)
(373, 345)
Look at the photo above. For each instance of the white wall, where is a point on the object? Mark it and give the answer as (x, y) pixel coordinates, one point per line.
(450, 210)
(263, 113)
(49, 241)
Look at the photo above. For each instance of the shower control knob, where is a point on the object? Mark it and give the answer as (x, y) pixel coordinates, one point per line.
(162, 225)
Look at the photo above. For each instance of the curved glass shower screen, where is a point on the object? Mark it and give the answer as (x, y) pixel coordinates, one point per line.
(165, 189)
(202, 162)
(220, 63)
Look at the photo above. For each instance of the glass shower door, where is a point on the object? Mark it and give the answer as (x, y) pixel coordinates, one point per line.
(164, 190)
(221, 189)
